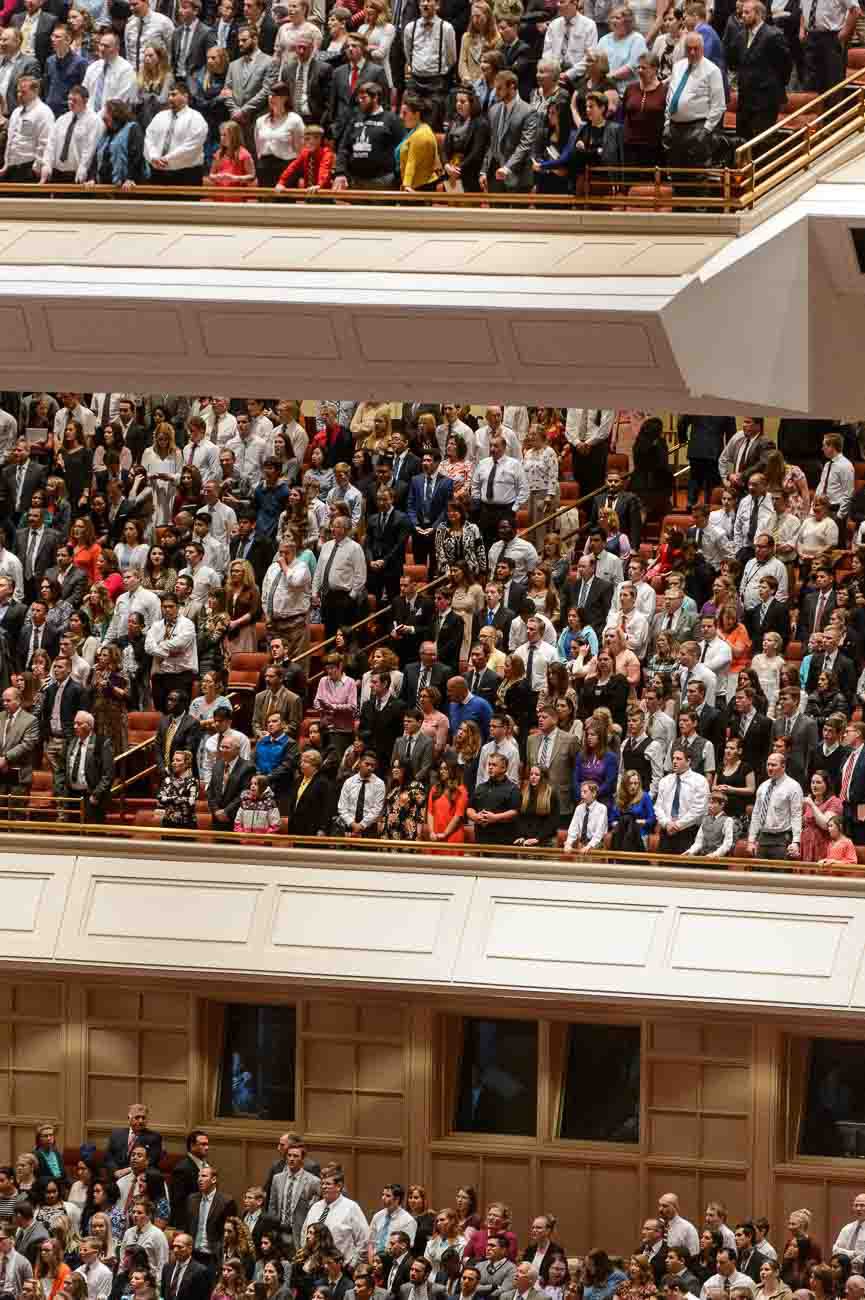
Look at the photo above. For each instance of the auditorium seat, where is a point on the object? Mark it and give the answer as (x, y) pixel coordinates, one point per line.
(417, 573)
(684, 522)
(618, 460)
(659, 198)
(250, 662)
(797, 100)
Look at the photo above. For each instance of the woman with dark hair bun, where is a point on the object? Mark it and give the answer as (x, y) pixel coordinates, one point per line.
(652, 479)
(465, 143)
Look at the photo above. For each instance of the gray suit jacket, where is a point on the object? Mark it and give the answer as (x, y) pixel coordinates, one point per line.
(421, 754)
(23, 65)
(496, 1279)
(21, 739)
(805, 738)
(249, 81)
(533, 1293)
(308, 1192)
(561, 767)
(512, 134)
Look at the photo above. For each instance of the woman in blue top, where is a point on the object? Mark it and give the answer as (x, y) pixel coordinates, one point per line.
(601, 1279)
(567, 642)
(632, 798)
(596, 763)
(623, 47)
(45, 1151)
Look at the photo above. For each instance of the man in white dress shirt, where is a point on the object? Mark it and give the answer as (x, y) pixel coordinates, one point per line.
(683, 798)
(647, 600)
(607, 565)
(589, 822)
(97, 1275)
(776, 821)
(74, 138)
(361, 801)
(494, 425)
(221, 424)
(111, 76)
(764, 564)
(392, 1217)
(518, 549)
(28, 142)
(344, 1217)
(134, 600)
(291, 429)
(285, 599)
(851, 1239)
(633, 624)
(712, 542)
(174, 141)
(837, 481)
(499, 487)
(340, 577)
(588, 432)
(568, 38)
(728, 1278)
(452, 426)
(693, 670)
(678, 1231)
(695, 107)
(200, 451)
(145, 27)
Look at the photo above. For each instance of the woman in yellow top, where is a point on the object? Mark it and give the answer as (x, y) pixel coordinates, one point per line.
(418, 154)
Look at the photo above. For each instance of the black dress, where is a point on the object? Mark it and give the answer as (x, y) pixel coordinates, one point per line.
(736, 803)
(652, 478)
(532, 825)
(467, 141)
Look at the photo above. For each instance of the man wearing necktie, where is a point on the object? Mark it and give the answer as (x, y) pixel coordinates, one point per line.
(825, 28)
(507, 165)
(681, 804)
(183, 1278)
(850, 1241)
(89, 768)
(174, 141)
(695, 107)
(19, 736)
(761, 56)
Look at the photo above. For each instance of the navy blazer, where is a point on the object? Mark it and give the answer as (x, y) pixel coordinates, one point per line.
(421, 515)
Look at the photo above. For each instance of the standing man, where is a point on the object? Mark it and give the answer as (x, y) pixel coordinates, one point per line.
(184, 1178)
(28, 143)
(89, 768)
(110, 77)
(430, 49)
(428, 499)
(776, 821)
(695, 107)
(64, 70)
(206, 1212)
(555, 752)
(75, 134)
(146, 26)
(171, 642)
(292, 1193)
(174, 141)
(499, 488)
(568, 39)
(387, 534)
(286, 598)
(825, 28)
(837, 482)
(681, 805)
(190, 41)
(184, 1278)
(340, 577)
(588, 432)
(852, 789)
(345, 1218)
(762, 57)
(19, 736)
(705, 436)
(507, 165)
(247, 83)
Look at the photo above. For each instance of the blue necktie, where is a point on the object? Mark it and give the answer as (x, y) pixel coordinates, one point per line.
(674, 811)
(677, 93)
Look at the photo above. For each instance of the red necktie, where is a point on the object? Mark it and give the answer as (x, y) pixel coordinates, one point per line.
(352, 81)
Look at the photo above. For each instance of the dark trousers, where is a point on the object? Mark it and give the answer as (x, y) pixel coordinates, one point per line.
(689, 147)
(21, 173)
(590, 467)
(337, 610)
(269, 169)
(379, 581)
(678, 841)
(824, 60)
(703, 479)
(753, 122)
(852, 826)
(182, 176)
(162, 684)
(209, 1262)
(489, 518)
(774, 844)
(423, 550)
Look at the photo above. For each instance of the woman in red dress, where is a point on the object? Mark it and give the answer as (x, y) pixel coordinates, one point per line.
(232, 164)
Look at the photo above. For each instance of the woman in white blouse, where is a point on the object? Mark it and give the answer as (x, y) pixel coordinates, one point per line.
(163, 463)
(278, 136)
(541, 466)
(819, 532)
(379, 34)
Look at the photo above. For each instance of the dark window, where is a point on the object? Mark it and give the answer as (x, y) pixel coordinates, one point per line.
(498, 1080)
(257, 1075)
(601, 1100)
(857, 234)
(833, 1114)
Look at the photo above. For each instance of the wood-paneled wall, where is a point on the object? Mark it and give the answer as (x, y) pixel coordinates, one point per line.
(374, 1090)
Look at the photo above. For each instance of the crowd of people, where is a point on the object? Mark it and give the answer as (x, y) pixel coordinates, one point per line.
(498, 96)
(130, 1224)
(584, 688)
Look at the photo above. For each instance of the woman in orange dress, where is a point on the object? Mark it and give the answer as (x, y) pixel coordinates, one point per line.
(86, 549)
(232, 164)
(448, 801)
(49, 1264)
(841, 848)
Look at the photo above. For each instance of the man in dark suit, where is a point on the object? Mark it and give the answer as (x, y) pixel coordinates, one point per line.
(406, 465)
(122, 1140)
(761, 56)
(258, 17)
(414, 746)
(419, 1278)
(246, 546)
(753, 729)
(56, 720)
(346, 80)
(448, 630)
(625, 504)
(480, 679)
(412, 620)
(177, 730)
(184, 1177)
(219, 1209)
(36, 548)
(89, 768)
(831, 660)
(314, 75)
(38, 636)
(852, 785)
(190, 40)
(400, 1260)
(71, 580)
(589, 593)
(513, 592)
(427, 505)
(711, 723)
(231, 777)
(12, 615)
(428, 671)
(42, 25)
(818, 606)
(771, 615)
(517, 55)
(184, 1278)
(381, 719)
(494, 614)
(387, 535)
(22, 476)
(120, 510)
(802, 733)
(507, 165)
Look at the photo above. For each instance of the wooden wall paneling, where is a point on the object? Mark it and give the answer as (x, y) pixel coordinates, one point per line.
(564, 1191)
(32, 1050)
(614, 1208)
(450, 1170)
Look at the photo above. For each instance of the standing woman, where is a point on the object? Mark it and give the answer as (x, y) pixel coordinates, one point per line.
(447, 1236)
(49, 1161)
(51, 1272)
(177, 796)
(514, 697)
(447, 803)
(154, 82)
(467, 600)
(243, 602)
(781, 477)
(403, 816)
(164, 464)
(416, 1204)
(541, 465)
(131, 553)
(278, 136)
(435, 723)
(623, 47)
(157, 577)
(206, 88)
(652, 478)
(74, 463)
(538, 819)
(233, 165)
(85, 548)
(645, 105)
(818, 809)
(379, 32)
(465, 144)
(418, 154)
(482, 34)
(459, 541)
(336, 697)
(110, 698)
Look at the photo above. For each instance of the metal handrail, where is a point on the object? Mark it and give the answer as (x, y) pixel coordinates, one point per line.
(282, 841)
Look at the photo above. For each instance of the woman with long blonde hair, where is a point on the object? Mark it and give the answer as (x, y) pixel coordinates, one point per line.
(538, 819)
(155, 81)
(232, 164)
(482, 34)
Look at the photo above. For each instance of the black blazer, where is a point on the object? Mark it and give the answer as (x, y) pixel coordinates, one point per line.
(756, 744)
(34, 475)
(449, 640)
(187, 736)
(380, 728)
(550, 1254)
(225, 797)
(73, 583)
(598, 601)
(203, 39)
(502, 620)
(125, 512)
(420, 618)
(805, 740)
(117, 1154)
(388, 543)
(343, 102)
(514, 596)
(808, 614)
(46, 556)
(195, 1284)
(487, 687)
(627, 507)
(184, 1183)
(521, 62)
(45, 25)
(267, 30)
(856, 792)
(50, 642)
(471, 143)
(98, 768)
(408, 470)
(777, 620)
(764, 69)
(12, 623)
(314, 810)
(439, 674)
(318, 81)
(845, 671)
(222, 1208)
(712, 725)
(260, 555)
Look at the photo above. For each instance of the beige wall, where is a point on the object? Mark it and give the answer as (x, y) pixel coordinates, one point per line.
(373, 1091)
